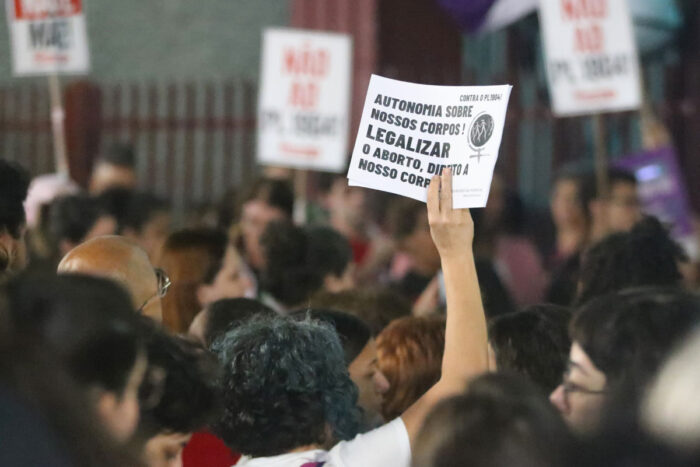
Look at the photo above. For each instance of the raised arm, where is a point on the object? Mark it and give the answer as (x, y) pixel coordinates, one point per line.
(466, 340)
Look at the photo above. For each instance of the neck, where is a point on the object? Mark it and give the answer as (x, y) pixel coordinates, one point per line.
(570, 239)
(308, 447)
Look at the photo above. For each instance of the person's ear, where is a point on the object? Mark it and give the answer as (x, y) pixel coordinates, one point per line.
(107, 404)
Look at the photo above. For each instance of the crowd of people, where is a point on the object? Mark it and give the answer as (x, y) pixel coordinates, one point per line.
(406, 335)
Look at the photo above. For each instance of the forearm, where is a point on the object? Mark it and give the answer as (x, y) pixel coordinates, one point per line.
(466, 340)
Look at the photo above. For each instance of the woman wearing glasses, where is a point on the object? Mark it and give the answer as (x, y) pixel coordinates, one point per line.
(618, 343)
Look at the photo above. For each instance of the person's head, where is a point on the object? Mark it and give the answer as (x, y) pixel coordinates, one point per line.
(203, 267)
(501, 420)
(644, 256)
(617, 212)
(188, 397)
(411, 230)
(74, 219)
(409, 353)
(147, 223)
(331, 256)
(286, 387)
(619, 341)
(287, 274)
(222, 315)
(376, 306)
(346, 205)
(360, 351)
(566, 203)
(88, 324)
(121, 260)
(533, 342)
(265, 201)
(14, 183)
(114, 168)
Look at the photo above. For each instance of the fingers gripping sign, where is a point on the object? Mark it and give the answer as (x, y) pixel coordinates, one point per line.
(452, 229)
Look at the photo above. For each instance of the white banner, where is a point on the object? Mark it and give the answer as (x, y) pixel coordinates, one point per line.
(410, 132)
(304, 107)
(47, 36)
(591, 57)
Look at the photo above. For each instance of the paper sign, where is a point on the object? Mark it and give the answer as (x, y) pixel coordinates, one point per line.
(590, 56)
(410, 132)
(48, 36)
(304, 108)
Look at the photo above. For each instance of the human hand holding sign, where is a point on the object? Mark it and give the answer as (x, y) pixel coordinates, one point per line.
(452, 229)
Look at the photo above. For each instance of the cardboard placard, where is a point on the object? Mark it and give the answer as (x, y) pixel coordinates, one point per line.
(590, 56)
(304, 106)
(48, 37)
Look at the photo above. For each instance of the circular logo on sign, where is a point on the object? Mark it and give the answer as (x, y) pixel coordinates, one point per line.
(481, 130)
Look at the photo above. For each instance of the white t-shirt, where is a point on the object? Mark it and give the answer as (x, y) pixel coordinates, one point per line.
(387, 446)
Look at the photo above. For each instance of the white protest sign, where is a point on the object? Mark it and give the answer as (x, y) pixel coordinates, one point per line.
(591, 56)
(410, 132)
(304, 107)
(48, 37)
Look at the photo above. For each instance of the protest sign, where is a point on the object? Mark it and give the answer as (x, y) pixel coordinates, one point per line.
(48, 37)
(410, 132)
(304, 105)
(662, 192)
(590, 56)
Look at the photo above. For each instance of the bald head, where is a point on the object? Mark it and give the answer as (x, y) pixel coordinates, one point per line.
(121, 260)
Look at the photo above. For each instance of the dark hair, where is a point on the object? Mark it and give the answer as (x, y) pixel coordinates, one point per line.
(287, 274)
(628, 334)
(285, 385)
(644, 256)
(588, 186)
(223, 315)
(403, 217)
(211, 241)
(276, 193)
(72, 217)
(88, 323)
(376, 306)
(120, 154)
(326, 180)
(142, 208)
(44, 420)
(354, 333)
(14, 183)
(501, 420)
(330, 252)
(533, 342)
(190, 396)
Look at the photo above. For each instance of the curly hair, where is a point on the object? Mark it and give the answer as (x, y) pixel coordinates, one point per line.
(285, 385)
(645, 256)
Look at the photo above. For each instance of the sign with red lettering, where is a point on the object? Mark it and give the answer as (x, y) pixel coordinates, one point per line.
(591, 56)
(48, 36)
(304, 104)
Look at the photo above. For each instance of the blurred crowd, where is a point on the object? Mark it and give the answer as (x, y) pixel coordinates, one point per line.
(336, 326)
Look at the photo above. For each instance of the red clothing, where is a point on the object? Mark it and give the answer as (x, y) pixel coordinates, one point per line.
(206, 450)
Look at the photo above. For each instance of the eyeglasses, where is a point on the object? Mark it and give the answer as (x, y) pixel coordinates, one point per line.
(163, 286)
(570, 388)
